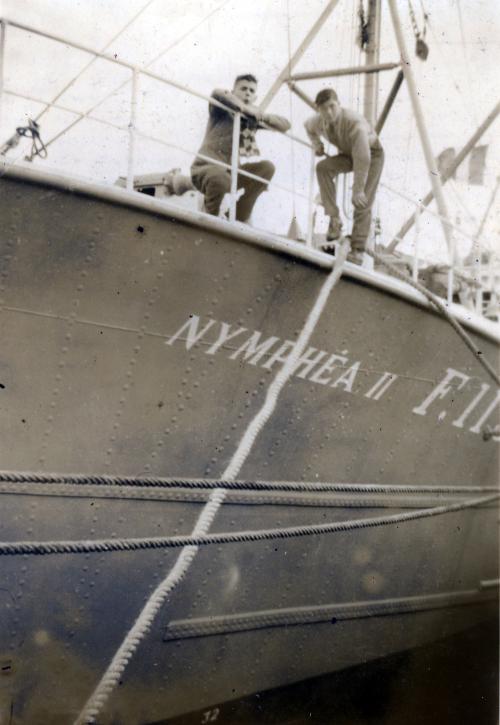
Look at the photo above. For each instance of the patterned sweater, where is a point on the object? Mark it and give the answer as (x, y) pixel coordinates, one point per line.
(218, 141)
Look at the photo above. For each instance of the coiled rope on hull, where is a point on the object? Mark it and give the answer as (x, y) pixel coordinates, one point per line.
(84, 479)
(197, 538)
(145, 619)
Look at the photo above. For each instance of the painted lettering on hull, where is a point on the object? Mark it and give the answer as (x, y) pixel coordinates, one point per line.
(456, 393)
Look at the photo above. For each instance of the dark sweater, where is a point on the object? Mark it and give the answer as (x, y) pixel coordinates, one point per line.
(218, 141)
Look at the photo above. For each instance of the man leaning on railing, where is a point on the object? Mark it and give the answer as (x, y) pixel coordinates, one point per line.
(213, 180)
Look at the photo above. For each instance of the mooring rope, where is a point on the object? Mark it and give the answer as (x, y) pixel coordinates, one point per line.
(143, 623)
(84, 479)
(41, 548)
(442, 309)
(250, 436)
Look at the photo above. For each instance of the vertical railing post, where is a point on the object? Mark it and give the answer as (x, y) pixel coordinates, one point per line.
(2, 56)
(479, 266)
(131, 130)
(235, 155)
(310, 202)
(418, 213)
(451, 271)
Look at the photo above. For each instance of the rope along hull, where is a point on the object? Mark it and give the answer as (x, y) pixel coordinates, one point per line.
(137, 345)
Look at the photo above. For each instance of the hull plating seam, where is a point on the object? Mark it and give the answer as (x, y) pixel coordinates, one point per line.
(180, 339)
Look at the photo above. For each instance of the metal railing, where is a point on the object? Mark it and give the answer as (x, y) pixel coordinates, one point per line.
(453, 266)
(132, 127)
(134, 131)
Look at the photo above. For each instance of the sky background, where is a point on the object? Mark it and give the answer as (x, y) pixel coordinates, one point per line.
(458, 87)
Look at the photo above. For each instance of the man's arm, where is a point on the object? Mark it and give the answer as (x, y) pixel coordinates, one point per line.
(313, 128)
(227, 99)
(235, 104)
(276, 123)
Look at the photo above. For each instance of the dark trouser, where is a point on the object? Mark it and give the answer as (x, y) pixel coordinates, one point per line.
(327, 171)
(214, 182)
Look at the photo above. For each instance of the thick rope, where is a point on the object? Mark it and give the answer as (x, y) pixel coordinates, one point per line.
(169, 542)
(442, 309)
(83, 479)
(250, 436)
(143, 623)
(145, 620)
(314, 614)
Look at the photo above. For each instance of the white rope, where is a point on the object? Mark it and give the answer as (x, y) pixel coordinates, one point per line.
(144, 621)
(284, 374)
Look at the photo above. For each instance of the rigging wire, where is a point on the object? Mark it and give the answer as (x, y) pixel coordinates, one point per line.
(92, 60)
(444, 64)
(290, 97)
(124, 83)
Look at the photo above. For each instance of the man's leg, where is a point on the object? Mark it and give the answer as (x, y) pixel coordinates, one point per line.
(327, 171)
(253, 188)
(363, 217)
(213, 182)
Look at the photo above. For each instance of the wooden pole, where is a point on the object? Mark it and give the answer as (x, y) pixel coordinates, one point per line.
(283, 76)
(389, 102)
(336, 72)
(372, 59)
(303, 96)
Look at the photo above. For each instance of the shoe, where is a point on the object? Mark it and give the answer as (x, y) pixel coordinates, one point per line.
(355, 256)
(334, 230)
(329, 248)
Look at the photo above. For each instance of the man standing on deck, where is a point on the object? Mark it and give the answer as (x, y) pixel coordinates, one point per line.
(360, 151)
(213, 180)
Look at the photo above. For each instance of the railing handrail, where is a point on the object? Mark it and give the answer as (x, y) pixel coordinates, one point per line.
(133, 67)
(426, 210)
(138, 69)
(218, 162)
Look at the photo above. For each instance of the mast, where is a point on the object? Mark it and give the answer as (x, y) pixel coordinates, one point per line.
(435, 179)
(372, 58)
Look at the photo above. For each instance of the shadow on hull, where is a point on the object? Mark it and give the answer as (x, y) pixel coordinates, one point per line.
(453, 680)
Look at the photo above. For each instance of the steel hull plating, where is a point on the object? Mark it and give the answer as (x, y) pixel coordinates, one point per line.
(133, 343)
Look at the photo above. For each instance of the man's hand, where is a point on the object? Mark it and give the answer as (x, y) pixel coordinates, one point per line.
(319, 150)
(254, 112)
(359, 200)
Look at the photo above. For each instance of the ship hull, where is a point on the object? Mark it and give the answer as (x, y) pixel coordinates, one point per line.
(136, 343)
